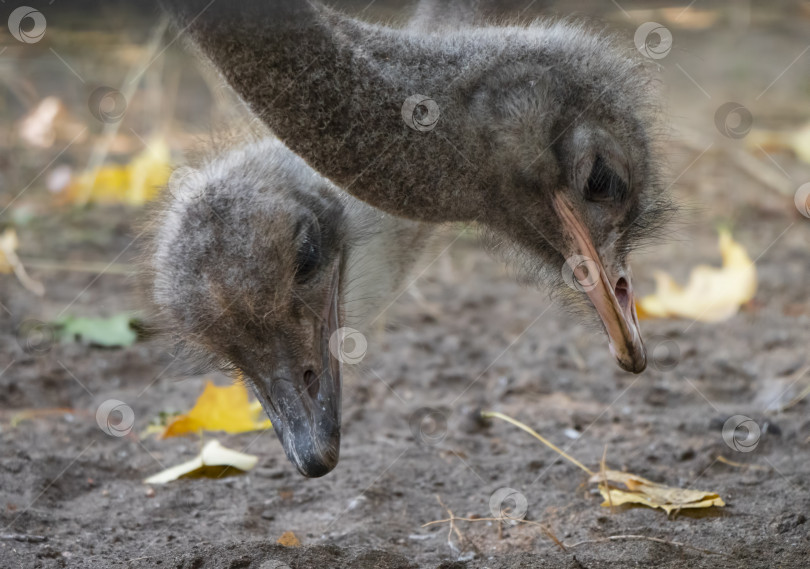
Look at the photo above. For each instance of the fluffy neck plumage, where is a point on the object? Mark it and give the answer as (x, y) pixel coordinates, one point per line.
(333, 90)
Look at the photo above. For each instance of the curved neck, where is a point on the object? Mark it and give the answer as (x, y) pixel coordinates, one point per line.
(379, 267)
(333, 90)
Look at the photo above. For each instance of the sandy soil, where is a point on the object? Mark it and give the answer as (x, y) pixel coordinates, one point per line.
(465, 337)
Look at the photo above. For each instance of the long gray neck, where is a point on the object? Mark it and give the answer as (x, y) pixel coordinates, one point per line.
(380, 267)
(333, 90)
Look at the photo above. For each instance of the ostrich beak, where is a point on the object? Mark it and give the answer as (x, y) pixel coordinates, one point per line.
(305, 411)
(610, 291)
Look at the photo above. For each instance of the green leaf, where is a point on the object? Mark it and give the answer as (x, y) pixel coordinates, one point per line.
(112, 332)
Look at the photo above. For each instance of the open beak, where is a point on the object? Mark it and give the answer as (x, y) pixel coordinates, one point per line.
(611, 294)
(305, 411)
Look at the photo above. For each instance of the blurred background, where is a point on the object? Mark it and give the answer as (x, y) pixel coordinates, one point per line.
(100, 100)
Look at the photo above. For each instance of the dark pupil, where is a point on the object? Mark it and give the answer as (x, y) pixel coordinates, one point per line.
(604, 183)
(308, 256)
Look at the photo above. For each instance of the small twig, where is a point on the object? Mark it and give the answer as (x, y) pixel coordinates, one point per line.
(500, 519)
(27, 414)
(453, 528)
(535, 434)
(766, 175)
(724, 460)
(763, 173)
(80, 267)
(603, 472)
(804, 393)
(24, 537)
(644, 538)
(102, 146)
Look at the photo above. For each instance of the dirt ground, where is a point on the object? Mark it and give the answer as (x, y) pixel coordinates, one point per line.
(465, 337)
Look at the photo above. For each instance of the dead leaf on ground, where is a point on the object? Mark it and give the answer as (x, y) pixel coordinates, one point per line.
(619, 488)
(134, 183)
(49, 122)
(215, 461)
(10, 262)
(289, 539)
(112, 332)
(225, 409)
(795, 141)
(712, 294)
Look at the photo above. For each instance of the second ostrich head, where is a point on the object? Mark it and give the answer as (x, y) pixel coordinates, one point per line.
(247, 267)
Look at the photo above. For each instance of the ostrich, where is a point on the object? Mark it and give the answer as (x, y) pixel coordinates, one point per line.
(257, 263)
(543, 134)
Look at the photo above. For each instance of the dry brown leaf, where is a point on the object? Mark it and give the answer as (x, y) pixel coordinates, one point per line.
(797, 141)
(288, 539)
(712, 294)
(10, 263)
(638, 490)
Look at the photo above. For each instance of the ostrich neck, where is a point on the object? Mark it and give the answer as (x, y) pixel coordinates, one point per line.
(332, 89)
(379, 265)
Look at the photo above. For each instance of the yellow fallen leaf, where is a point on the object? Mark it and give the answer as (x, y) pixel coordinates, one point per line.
(135, 183)
(712, 294)
(220, 409)
(215, 461)
(638, 490)
(8, 248)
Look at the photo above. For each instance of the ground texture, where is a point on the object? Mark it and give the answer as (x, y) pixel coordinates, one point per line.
(464, 337)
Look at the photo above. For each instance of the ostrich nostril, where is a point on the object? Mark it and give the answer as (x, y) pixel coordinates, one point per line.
(622, 292)
(312, 383)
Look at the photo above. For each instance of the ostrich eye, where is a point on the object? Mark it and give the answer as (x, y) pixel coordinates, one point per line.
(604, 184)
(308, 257)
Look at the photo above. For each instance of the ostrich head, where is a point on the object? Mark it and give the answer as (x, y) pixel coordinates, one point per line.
(247, 263)
(573, 184)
